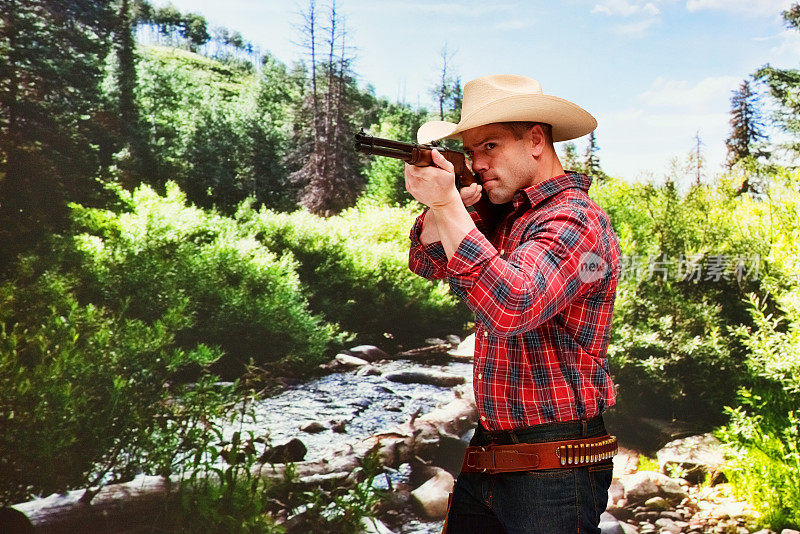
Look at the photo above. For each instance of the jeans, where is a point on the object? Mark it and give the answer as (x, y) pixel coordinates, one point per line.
(550, 501)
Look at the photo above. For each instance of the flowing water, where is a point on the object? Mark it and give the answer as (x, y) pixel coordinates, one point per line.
(365, 404)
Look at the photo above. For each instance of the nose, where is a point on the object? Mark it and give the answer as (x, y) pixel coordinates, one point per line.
(479, 164)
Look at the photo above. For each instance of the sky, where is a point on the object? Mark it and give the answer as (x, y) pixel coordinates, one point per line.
(656, 74)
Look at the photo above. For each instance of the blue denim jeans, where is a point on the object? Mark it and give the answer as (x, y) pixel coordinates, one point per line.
(550, 501)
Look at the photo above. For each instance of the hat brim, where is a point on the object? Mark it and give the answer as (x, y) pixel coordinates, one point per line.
(569, 121)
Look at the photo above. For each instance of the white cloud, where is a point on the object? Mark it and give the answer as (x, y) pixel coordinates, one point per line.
(635, 29)
(748, 7)
(709, 94)
(789, 45)
(625, 8)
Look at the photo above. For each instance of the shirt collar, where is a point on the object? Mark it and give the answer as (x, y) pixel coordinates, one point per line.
(551, 186)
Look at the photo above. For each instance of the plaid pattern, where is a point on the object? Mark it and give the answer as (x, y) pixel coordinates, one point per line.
(542, 319)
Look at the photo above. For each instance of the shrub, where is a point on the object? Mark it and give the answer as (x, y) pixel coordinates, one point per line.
(84, 392)
(355, 271)
(238, 295)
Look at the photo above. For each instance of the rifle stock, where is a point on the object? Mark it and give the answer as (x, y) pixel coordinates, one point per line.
(420, 155)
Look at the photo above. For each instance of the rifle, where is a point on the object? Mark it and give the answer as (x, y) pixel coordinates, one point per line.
(420, 155)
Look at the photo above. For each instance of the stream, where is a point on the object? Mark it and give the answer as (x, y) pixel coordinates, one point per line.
(365, 404)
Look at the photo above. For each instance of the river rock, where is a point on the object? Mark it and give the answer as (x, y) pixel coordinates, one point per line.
(431, 498)
(465, 349)
(425, 376)
(697, 455)
(609, 524)
(453, 339)
(668, 525)
(368, 370)
(350, 361)
(371, 525)
(658, 504)
(292, 451)
(371, 353)
(313, 428)
(641, 486)
(616, 491)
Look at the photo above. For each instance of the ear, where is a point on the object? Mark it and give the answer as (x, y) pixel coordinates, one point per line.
(538, 140)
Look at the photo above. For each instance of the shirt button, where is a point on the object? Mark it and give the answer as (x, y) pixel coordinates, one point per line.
(483, 418)
(480, 376)
(485, 333)
(502, 251)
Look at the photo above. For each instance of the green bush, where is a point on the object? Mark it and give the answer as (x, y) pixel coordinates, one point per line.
(671, 350)
(238, 295)
(354, 268)
(84, 392)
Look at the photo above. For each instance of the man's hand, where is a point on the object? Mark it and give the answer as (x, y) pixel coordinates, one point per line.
(433, 186)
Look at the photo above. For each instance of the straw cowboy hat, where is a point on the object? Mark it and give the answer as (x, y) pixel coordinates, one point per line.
(511, 98)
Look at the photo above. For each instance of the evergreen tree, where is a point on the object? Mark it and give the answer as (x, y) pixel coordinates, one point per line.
(746, 126)
(784, 86)
(570, 159)
(51, 121)
(591, 162)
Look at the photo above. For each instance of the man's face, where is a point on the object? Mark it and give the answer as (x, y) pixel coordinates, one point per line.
(503, 163)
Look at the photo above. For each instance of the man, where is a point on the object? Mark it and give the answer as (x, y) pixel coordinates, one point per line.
(541, 280)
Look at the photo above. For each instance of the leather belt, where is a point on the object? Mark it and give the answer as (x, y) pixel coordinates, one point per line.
(534, 456)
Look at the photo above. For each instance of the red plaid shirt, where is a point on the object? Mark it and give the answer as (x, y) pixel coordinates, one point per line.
(542, 290)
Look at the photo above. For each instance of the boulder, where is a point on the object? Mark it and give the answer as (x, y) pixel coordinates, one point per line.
(465, 349)
(696, 455)
(292, 451)
(616, 491)
(641, 486)
(609, 524)
(371, 353)
(658, 504)
(350, 361)
(431, 498)
(425, 376)
(313, 428)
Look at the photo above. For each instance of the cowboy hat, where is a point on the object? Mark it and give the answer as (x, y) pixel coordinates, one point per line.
(511, 98)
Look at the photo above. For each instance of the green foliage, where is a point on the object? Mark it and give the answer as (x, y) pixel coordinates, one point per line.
(221, 490)
(354, 268)
(385, 183)
(83, 391)
(237, 295)
(671, 352)
(763, 429)
(215, 129)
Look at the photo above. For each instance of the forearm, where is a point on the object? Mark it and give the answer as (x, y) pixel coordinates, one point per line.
(452, 222)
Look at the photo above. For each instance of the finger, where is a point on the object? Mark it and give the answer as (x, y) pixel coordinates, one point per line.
(440, 161)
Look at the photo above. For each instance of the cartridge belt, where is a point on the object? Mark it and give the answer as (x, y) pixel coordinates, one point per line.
(534, 456)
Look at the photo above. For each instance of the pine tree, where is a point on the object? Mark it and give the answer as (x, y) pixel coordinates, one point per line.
(591, 162)
(784, 86)
(570, 159)
(746, 126)
(51, 116)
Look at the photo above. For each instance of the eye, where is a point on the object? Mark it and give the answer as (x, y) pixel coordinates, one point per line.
(489, 146)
